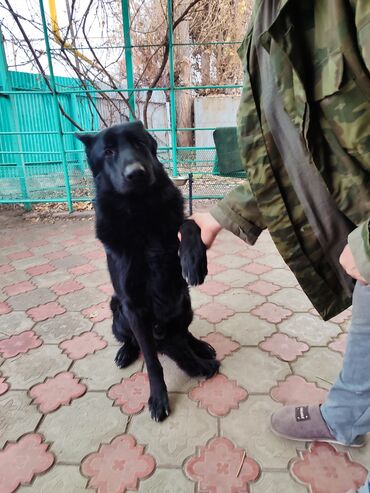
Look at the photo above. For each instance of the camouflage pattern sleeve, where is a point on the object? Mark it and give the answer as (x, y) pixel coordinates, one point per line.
(238, 212)
(359, 244)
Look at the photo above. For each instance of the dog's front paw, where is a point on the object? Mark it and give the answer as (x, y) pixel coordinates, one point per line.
(126, 355)
(193, 254)
(159, 406)
(210, 368)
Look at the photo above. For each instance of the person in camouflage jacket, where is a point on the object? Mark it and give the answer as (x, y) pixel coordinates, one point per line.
(304, 137)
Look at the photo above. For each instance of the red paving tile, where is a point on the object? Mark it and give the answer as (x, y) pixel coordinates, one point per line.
(79, 270)
(323, 469)
(43, 312)
(80, 346)
(5, 268)
(106, 288)
(257, 269)
(19, 344)
(213, 288)
(56, 255)
(296, 390)
(4, 308)
(218, 395)
(339, 343)
(131, 394)
(272, 313)
(98, 313)
(38, 270)
(284, 347)
(57, 391)
(222, 345)
(19, 287)
(4, 387)
(214, 312)
(20, 255)
(215, 467)
(118, 466)
(66, 287)
(22, 460)
(263, 288)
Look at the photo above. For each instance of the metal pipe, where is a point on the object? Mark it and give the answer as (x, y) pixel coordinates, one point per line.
(125, 5)
(57, 114)
(172, 85)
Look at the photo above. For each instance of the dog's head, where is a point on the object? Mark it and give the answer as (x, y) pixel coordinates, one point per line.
(123, 157)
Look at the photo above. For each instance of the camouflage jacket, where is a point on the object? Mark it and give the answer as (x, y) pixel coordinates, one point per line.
(304, 137)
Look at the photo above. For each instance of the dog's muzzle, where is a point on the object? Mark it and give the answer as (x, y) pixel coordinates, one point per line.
(135, 172)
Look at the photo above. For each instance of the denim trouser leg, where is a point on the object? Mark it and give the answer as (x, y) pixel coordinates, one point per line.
(347, 407)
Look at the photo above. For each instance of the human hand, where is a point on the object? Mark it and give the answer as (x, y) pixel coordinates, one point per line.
(208, 225)
(347, 261)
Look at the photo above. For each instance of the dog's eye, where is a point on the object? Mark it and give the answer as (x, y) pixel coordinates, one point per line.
(108, 152)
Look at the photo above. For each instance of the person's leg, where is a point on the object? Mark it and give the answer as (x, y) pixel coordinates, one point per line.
(347, 407)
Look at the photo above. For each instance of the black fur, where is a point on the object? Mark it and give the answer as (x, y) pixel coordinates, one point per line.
(139, 213)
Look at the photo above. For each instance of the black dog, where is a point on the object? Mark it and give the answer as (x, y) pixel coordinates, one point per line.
(139, 213)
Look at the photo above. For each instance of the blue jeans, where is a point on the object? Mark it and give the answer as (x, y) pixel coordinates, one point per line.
(347, 407)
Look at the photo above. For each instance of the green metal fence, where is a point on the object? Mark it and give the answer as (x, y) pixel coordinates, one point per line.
(41, 161)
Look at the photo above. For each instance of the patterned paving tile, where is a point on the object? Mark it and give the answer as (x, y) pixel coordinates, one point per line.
(33, 367)
(296, 390)
(245, 328)
(231, 261)
(5, 308)
(263, 288)
(284, 347)
(83, 300)
(13, 323)
(213, 288)
(56, 391)
(260, 371)
(214, 312)
(132, 394)
(4, 387)
(319, 365)
(118, 466)
(44, 312)
(342, 317)
(257, 269)
(249, 428)
(218, 395)
(282, 277)
(240, 300)
(16, 416)
(80, 346)
(324, 469)
(198, 298)
(167, 442)
(99, 371)
(277, 482)
(65, 287)
(22, 460)
(222, 345)
(214, 268)
(310, 329)
(291, 298)
(19, 344)
(271, 312)
(39, 270)
(60, 479)
(221, 467)
(339, 343)
(235, 278)
(163, 481)
(31, 299)
(85, 415)
(19, 288)
(62, 327)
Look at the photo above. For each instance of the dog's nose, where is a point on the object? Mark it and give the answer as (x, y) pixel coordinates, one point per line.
(134, 171)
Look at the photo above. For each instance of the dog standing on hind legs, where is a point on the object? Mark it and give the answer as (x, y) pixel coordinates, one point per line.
(139, 212)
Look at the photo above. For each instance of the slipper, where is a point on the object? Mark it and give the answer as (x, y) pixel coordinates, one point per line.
(306, 424)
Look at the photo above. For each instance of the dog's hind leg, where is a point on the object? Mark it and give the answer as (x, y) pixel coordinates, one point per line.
(130, 351)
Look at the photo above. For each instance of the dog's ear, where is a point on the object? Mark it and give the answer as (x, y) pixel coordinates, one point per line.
(153, 146)
(86, 139)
